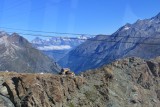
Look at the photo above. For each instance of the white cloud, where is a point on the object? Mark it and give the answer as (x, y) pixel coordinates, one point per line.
(51, 47)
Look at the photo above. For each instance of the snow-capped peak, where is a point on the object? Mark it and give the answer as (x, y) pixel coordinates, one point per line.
(58, 43)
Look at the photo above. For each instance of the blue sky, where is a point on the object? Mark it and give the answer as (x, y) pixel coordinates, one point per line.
(75, 16)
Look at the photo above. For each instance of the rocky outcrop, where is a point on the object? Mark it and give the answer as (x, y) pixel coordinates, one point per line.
(130, 82)
(48, 90)
(134, 84)
(39, 90)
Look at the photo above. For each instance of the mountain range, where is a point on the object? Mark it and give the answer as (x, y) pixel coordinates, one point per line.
(140, 39)
(18, 55)
(58, 47)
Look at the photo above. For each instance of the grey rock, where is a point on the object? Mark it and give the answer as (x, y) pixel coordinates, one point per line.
(5, 102)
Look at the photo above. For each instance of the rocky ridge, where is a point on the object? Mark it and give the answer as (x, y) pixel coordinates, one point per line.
(131, 82)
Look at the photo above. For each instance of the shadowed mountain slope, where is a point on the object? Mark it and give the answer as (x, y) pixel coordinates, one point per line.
(17, 54)
(141, 39)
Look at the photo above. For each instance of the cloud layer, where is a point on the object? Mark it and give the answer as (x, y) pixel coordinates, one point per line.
(51, 47)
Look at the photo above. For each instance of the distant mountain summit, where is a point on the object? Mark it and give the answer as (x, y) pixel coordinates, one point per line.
(157, 16)
(59, 42)
(140, 39)
(17, 54)
(58, 47)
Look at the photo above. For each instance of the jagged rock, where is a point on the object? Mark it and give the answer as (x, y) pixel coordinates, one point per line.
(125, 83)
(4, 91)
(158, 94)
(5, 102)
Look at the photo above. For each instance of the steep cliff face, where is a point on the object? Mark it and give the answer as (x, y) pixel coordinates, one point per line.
(130, 82)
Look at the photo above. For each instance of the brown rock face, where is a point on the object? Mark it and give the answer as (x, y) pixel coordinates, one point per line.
(131, 82)
(37, 90)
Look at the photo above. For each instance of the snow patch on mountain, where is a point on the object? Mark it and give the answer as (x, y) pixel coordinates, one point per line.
(126, 28)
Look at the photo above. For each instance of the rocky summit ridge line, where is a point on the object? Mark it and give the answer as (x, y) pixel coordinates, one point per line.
(131, 82)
